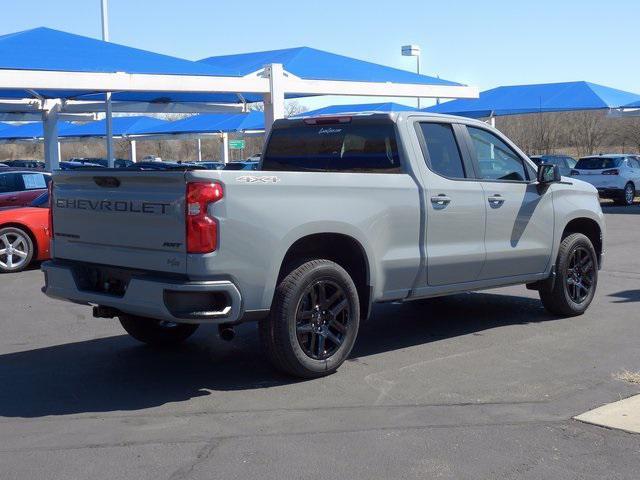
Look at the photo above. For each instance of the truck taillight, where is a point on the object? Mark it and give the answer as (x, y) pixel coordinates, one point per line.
(50, 216)
(202, 229)
(613, 171)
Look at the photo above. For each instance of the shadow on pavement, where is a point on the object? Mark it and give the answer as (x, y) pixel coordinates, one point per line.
(116, 373)
(627, 296)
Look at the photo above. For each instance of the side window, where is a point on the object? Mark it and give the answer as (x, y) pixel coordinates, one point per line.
(444, 154)
(9, 183)
(571, 162)
(496, 159)
(34, 181)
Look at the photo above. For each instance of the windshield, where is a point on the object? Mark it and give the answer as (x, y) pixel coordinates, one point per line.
(336, 147)
(598, 163)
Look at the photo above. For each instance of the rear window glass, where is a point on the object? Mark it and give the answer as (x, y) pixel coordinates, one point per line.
(598, 163)
(339, 147)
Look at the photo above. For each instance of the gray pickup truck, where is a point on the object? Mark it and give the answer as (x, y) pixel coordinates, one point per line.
(344, 212)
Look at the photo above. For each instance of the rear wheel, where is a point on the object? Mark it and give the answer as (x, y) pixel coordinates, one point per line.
(314, 320)
(16, 249)
(576, 278)
(156, 332)
(627, 196)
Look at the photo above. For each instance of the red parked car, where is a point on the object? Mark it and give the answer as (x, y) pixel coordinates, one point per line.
(19, 187)
(24, 234)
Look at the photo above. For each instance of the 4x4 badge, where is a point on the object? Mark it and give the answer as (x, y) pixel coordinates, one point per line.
(258, 179)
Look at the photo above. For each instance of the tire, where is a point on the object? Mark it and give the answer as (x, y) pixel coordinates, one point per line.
(16, 249)
(627, 195)
(154, 332)
(559, 297)
(309, 334)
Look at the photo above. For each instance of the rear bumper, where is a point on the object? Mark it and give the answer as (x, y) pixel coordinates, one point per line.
(606, 192)
(153, 297)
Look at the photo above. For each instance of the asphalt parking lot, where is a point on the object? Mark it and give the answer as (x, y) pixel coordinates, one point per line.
(474, 386)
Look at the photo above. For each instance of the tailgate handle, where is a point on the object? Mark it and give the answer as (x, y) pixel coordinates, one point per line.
(107, 182)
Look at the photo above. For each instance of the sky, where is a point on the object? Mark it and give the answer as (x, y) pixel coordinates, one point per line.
(482, 43)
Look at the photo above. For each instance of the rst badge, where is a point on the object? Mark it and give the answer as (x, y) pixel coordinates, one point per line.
(258, 179)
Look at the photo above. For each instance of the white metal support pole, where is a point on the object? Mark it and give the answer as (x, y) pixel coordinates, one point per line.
(274, 100)
(50, 132)
(108, 112)
(225, 148)
(492, 121)
(109, 129)
(418, 70)
(133, 154)
(59, 151)
(199, 149)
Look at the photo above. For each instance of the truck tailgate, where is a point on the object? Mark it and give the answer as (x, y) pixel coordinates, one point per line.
(132, 219)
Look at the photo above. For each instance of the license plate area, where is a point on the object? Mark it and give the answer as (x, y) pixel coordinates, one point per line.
(109, 281)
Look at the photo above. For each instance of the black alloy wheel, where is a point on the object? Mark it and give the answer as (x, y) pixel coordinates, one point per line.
(580, 274)
(323, 319)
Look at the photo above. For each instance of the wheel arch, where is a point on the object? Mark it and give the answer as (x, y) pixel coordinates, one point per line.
(341, 248)
(588, 227)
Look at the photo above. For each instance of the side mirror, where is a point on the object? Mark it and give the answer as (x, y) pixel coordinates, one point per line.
(548, 173)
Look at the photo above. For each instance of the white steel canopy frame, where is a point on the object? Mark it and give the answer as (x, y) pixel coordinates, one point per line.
(273, 83)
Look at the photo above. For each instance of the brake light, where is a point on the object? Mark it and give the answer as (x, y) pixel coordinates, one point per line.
(202, 229)
(326, 120)
(613, 171)
(574, 172)
(50, 215)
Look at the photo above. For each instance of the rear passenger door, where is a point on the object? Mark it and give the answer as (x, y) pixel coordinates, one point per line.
(520, 219)
(455, 212)
(31, 186)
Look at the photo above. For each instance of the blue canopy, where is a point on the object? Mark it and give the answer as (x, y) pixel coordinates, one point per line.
(359, 108)
(47, 49)
(31, 130)
(546, 97)
(210, 123)
(121, 126)
(633, 105)
(311, 64)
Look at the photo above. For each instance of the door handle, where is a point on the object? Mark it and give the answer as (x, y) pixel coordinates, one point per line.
(440, 200)
(13, 199)
(496, 200)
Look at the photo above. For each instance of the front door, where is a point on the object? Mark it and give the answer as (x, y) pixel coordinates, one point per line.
(520, 218)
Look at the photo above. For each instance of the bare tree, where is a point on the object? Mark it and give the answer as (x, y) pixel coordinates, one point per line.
(586, 131)
(122, 148)
(291, 108)
(628, 132)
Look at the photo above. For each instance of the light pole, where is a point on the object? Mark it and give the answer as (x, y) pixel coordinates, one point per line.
(413, 51)
(108, 113)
